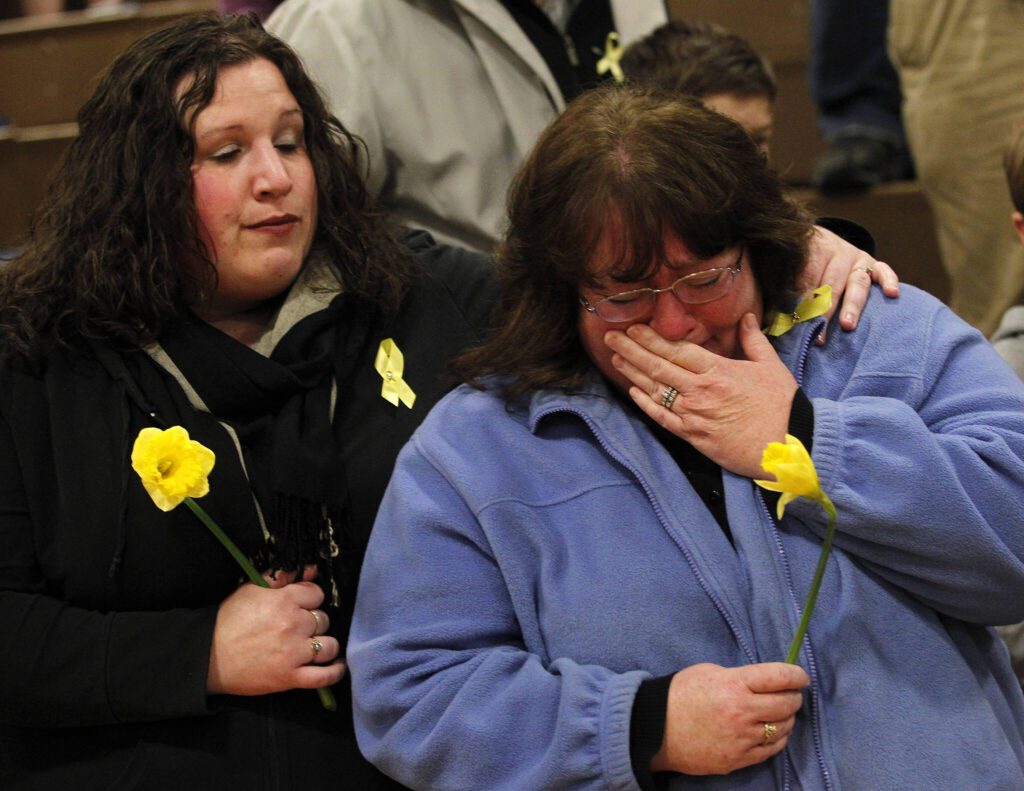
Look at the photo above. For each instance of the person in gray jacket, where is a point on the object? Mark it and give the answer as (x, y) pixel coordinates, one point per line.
(449, 95)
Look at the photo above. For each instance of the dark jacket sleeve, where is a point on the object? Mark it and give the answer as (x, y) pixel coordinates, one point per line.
(66, 665)
(468, 276)
(852, 232)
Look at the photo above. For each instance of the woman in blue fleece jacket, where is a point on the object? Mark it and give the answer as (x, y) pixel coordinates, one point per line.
(573, 581)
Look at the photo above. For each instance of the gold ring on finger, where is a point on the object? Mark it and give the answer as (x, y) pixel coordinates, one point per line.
(316, 622)
(317, 647)
(770, 729)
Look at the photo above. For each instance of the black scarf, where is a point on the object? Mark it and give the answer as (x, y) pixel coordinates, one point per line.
(280, 409)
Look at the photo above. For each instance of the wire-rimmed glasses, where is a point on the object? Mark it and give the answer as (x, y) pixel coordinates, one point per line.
(695, 288)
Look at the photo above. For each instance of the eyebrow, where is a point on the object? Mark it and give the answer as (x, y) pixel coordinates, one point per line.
(676, 266)
(703, 264)
(235, 127)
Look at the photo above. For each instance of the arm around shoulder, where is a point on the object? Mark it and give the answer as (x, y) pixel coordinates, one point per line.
(64, 664)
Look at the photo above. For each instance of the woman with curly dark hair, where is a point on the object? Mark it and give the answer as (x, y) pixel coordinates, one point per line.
(209, 258)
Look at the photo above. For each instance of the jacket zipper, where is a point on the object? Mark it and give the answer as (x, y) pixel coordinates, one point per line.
(744, 645)
(570, 51)
(812, 665)
(801, 360)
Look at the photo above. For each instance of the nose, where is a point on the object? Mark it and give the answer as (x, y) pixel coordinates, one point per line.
(271, 177)
(671, 319)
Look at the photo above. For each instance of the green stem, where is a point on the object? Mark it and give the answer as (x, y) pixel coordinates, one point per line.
(819, 572)
(326, 696)
(254, 576)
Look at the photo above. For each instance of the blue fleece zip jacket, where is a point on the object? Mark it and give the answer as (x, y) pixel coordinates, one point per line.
(533, 562)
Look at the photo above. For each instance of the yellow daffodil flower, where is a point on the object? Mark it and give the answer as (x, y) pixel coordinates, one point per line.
(175, 469)
(171, 466)
(794, 472)
(795, 476)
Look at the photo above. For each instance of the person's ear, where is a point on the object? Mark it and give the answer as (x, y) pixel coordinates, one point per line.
(1018, 224)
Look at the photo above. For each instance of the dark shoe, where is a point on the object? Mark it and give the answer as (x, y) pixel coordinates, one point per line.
(857, 160)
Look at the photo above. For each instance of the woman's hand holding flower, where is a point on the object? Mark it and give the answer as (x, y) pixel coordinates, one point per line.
(714, 723)
(258, 632)
(262, 640)
(727, 409)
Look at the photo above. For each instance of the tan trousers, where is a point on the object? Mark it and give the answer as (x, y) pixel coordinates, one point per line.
(961, 66)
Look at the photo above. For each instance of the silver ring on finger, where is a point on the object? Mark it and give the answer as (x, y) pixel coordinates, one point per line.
(770, 729)
(668, 398)
(316, 623)
(317, 647)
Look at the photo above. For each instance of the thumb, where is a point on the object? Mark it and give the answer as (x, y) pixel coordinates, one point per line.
(756, 346)
(774, 677)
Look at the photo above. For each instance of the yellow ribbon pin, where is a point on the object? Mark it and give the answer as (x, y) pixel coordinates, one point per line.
(390, 364)
(817, 304)
(612, 56)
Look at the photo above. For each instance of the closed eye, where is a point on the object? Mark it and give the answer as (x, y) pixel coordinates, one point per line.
(226, 154)
(625, 297)
(703, 279)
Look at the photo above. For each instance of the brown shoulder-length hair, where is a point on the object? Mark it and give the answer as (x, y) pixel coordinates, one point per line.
(650, 163)
(105, 255)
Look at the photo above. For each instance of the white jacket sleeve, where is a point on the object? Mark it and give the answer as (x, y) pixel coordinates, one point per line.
(341, 51)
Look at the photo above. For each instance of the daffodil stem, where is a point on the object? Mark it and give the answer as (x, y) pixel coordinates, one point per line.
(254, 576)
(326, 696)
(819, 572)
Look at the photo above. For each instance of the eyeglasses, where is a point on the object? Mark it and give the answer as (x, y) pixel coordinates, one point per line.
(695, 288)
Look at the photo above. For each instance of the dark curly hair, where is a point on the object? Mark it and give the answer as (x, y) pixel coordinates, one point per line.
(104, 259)
(650, 162)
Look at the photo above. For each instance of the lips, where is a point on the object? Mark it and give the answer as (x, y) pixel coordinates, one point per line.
(278, 221)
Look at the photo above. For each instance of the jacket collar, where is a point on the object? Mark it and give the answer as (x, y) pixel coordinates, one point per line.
(593, 401)
(793, 346)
